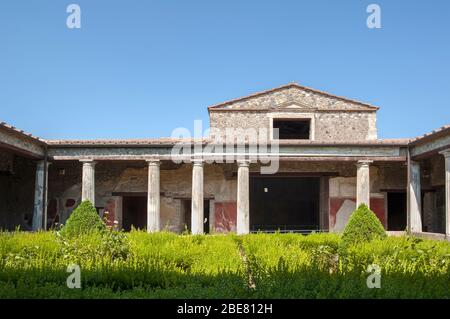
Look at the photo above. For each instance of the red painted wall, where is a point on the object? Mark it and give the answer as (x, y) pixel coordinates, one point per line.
(225, 217)
(376, 205)
(109, 214)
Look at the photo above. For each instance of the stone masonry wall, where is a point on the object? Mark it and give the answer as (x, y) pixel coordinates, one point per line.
(295, 94)
(328, 127)
(345, 126)
(333, 119)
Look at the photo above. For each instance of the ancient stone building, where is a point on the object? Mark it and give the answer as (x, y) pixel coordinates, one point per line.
(323, 150)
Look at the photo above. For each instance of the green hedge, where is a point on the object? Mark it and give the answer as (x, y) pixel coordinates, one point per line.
(410, 267)
(363, 226)
(166, 265)
(83, 220)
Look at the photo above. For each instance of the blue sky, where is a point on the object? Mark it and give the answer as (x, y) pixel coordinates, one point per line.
(142, 68)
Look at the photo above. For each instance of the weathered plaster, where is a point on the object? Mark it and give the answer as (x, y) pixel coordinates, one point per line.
(22, 143)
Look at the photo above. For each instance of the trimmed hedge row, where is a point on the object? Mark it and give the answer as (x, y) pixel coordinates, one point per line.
(166, 265)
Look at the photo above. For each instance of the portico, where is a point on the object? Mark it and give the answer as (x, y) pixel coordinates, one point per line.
(217, 192)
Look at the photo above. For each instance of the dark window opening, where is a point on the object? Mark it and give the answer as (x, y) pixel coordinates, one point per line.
(294, 129)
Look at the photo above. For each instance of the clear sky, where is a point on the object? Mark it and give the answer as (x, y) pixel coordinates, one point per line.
(142, 68)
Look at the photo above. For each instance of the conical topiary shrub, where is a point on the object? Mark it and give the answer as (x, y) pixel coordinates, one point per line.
(363, 226)
(84, 219)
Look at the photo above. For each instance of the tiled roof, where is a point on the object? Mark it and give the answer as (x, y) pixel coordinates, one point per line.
(163, 141)
(433, 134)
(167, 141)
(387, 142)
(20, 132)
(289, 85)
(171, 141)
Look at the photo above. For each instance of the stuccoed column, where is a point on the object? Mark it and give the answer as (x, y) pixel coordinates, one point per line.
(88, 181)
(243, 204)
(153, 196)
(39, 193)
(447, 192)
(414, 198)
(197, 198)
(363, 183)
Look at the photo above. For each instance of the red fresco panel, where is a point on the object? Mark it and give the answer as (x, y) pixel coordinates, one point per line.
(109, 213)
(376, 205)
(335, 205)
(225, 217)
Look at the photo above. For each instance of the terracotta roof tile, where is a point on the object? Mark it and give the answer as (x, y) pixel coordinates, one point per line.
(168, 141)
(20, 132)
(163, 141)
(427, 136)
(172, 141)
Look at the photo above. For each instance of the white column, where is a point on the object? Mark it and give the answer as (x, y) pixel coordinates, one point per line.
(39, 211)
(414, 219)
(153, 197)
(88, 181)
(243, 206)
(363, 183)
(447, 192)
(197, 198)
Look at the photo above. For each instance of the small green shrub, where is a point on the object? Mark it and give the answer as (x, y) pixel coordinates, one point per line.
(83, 220)
(363, 226)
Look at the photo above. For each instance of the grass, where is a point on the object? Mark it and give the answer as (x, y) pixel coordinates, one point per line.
(166, 265)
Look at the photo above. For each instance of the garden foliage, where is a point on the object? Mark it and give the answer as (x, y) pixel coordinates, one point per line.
(166, 265)
(83, 220)
(363, 226)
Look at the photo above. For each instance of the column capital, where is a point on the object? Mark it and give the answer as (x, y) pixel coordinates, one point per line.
(153, 162)
(197, 162)
(363, 163)
(88, 161)
(243, 163)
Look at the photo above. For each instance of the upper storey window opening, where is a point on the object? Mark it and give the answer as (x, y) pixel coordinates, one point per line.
(293, 129)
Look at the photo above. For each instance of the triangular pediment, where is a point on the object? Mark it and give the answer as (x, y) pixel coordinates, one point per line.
(294, 105)
(293, 97)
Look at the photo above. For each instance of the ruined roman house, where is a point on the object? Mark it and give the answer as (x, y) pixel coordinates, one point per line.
(330, 160)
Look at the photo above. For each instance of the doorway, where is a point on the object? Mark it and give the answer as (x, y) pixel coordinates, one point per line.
(134, 212)
(187, 209)
(285, 204)
(396, 203)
